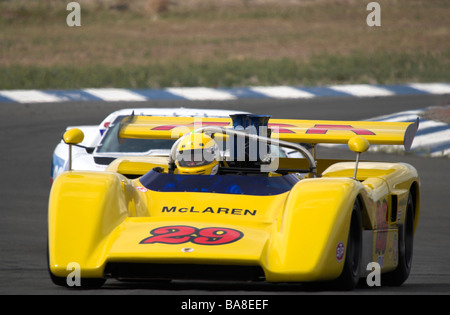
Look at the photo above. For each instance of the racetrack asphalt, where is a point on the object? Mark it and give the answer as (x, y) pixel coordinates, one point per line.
(29, 133)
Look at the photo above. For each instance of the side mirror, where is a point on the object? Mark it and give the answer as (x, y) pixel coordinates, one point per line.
(359, 145)
(72, 137)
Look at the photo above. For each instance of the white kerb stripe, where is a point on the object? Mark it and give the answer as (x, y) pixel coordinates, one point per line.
(281, 92)
(433, 88)
(201, 94)
(430, 124)
(409, 115)
(445, 152)
(428, 140)
(115, 95)
(362, 90)
(30, 96)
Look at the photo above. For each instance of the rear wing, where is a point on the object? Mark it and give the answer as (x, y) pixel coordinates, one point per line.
(291, 130)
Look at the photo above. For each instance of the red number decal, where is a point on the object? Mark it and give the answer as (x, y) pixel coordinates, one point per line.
(217, 236)
(170, 235)
(180, 234)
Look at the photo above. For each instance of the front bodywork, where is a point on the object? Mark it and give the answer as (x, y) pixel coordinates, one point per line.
(107, 223)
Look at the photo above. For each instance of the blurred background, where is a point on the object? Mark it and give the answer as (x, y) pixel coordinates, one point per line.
(221, 43)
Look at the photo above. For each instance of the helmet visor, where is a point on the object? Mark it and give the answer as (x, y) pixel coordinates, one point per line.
(196, 157)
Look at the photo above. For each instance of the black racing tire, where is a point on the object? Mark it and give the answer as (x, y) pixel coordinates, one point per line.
(405, 249)
(350, 275)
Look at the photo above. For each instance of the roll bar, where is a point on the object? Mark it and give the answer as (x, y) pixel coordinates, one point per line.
(238, 133)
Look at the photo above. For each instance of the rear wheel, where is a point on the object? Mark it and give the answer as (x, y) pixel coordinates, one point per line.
(405, 249)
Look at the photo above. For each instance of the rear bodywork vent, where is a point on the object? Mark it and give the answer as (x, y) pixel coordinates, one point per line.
(394, 208)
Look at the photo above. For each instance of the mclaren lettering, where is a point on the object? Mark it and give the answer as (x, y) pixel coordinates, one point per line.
(211, 210)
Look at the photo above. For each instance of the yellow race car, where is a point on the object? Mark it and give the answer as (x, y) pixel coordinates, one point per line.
(223, 206)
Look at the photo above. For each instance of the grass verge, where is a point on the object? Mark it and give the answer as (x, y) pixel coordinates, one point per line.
(227, 43)
(380, 68)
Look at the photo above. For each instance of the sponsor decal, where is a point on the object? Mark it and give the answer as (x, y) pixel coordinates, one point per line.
(197, 124)
(382, 225)
(180, 234)
(281, 128)
(340, 251)
(320, 129)
(58, 166)
(211, 210)
(276, 127)
(395, 250)
(142, 189)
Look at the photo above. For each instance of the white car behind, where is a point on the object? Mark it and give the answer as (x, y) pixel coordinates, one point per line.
(101, 145)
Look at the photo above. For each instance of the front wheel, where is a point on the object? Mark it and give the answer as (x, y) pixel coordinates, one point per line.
(353, 255)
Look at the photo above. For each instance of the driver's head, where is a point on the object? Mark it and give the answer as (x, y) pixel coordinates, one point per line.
(197, 154)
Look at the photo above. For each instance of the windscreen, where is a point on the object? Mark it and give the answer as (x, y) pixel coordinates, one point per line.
(111, 143)
(220, 184)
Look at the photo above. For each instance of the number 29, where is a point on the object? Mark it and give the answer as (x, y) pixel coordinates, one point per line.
(179, 234)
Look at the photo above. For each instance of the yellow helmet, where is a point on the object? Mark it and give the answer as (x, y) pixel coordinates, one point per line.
(197, 154)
